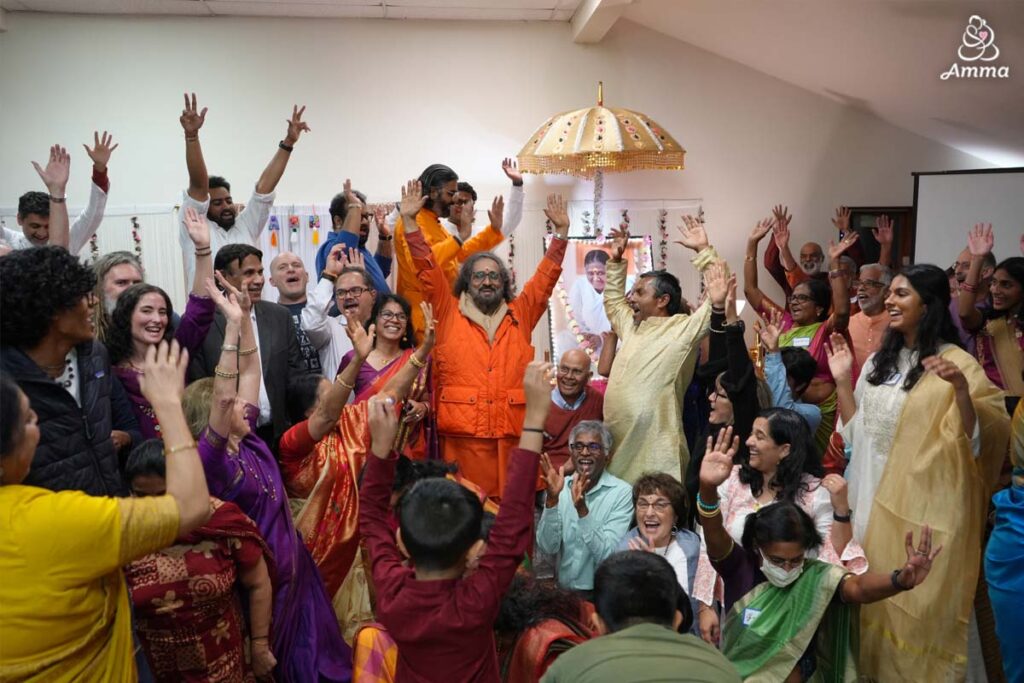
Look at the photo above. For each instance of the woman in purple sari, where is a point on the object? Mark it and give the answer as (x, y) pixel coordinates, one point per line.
(222, 412)
(142, 318)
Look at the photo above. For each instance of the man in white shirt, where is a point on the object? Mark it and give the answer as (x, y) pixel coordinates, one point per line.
(465, 200)
(211, 195)
(43, 217)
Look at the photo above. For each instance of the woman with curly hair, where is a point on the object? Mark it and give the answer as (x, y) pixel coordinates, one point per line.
(924, 418)
(142, 318)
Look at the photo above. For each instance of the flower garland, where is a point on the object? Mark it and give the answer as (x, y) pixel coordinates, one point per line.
(511, 261)
(588, 228)
(625, 220)
(598, 203)
(274, 227)
(663, 241)
(137, 238)
(314, 225)
(94, 248)
(293, 223)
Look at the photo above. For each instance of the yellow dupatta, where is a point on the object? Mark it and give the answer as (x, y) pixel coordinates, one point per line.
(1007, 354)
(931, 477)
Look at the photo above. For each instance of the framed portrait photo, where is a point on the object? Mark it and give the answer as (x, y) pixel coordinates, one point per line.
(576, 314)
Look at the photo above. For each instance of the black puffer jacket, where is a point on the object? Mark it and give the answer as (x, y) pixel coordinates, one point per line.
(75, 450)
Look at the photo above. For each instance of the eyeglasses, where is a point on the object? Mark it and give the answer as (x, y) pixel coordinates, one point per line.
(352, 291)
(570, 372)
(799, 298)
(590, 448)
(783, 563)
(658, 505)
(868, 284)
(391, 315)
(715, 395)
(481, 275)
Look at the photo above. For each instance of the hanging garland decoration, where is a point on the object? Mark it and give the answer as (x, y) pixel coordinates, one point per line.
(625, 220)
(314, 225)
(511, 261)
(137, 238)
(94, 248)
(293, 223)
(588, 228)
(649, 254)
(598, 203)
(275, 227)
(663, 239)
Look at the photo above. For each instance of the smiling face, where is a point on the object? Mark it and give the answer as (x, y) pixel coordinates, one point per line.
(811, 258)
(36, 228)
(1006, 292)
(962, 265)
(354, 296)
(596, 274)
(251, 269)
(485, 285)
(721, 406)
(904, 306)
(222, 208)
(871, 292)
(118, 279)
(392, 322)
(76, 323)
(573, 374)
(655, 518)
(150, 319)
(588, 455)
(802, 307)
(645, 302)
(765, 454)
(288, 274)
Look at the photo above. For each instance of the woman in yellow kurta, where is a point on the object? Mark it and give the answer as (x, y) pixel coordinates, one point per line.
(644, 401)
(924, 418)
(64, 612)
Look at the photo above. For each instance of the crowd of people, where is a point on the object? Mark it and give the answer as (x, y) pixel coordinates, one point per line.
(364, 480)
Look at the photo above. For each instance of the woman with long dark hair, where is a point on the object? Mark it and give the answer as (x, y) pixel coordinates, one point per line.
(924, 419)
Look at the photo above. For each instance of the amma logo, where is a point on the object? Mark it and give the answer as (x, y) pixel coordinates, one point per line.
(978, 45)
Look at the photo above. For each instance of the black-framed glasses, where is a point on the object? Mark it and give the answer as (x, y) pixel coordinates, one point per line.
(800, 298)
(351, 291)
(481, 275)
(591, 448)
(783, 563)
(391, 315)
(658, 505)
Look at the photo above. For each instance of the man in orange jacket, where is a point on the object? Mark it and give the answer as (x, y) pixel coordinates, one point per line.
(483, 345)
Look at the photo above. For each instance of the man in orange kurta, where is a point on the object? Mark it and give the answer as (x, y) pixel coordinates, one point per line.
(483, 347)
(440, 185)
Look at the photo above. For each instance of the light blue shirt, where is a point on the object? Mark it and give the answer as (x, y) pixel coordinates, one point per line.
(782, 397)
(584, 543)
(559, 400)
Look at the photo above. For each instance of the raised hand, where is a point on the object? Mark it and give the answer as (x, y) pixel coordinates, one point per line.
(554, 479)
(842, 220)
(580, 484)
(100, 153)
(191, 119)
(731, 315)
(240, 296)
(163, 373)
(840, 358)
(558, 213)
(640, 543)
(761, 228)
(512, 171)
(717, 464)
(882, 230)
(362, 339)
(919, 561)
(537, 383)
(980, 239)
(383, 424)
(198, 228)
(836, 487)
(495, 214)
(336, 260)
(769, 328)
(412, 201)
(692, 233)
(380, 217)
(836, 250)
(353, 258)
(620, 240)
(296, 126)
(429, 325)
(226, 302)
(780, 233)
(58, 168)
(945, 370)
(716, 283)
(781, 215)
(352, 200)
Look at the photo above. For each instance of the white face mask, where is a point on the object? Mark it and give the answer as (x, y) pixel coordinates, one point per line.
(779, 577)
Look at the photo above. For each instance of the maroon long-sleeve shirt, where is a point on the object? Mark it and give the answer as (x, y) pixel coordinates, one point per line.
(445, 629)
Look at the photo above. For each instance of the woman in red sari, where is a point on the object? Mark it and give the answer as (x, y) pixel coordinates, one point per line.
(188, 609)
(321, 459)
(393, 345)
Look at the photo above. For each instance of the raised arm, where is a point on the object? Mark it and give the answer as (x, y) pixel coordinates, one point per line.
(275, 169)
(199, 231)
(225, 382)
(514, 212)
(780, 233)
(55, 177)
(883, 235)
(839, 282)
(329, 409)
(873, 586)
(85, 226)
(979, 242)
(198, 178)
(620, 315)
(532, 301)
(163, 385)
(353, 210)
(401, 383)
(750, 289)
(385, 239)
(840, 362)
(714, 471)
(249, 370)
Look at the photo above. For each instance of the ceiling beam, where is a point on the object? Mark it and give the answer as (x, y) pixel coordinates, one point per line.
(594, 18)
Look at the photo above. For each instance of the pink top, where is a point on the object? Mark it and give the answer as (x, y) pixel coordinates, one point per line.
(737, 502)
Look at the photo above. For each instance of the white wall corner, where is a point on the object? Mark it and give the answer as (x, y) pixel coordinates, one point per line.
(594, 18)
(3, 20)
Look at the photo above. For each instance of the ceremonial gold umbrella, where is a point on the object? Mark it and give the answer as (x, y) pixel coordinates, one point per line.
(587, 142)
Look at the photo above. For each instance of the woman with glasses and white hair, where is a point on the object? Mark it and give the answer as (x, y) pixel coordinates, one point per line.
(587, 512)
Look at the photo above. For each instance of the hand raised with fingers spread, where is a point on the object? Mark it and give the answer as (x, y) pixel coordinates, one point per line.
(781, 215)
(558, 213)
(412, 201)
(429, 330)
(554, 479)
(512, 171)
(693, 234)
(780, 233)
(362, 338)
(620, 240)
(716, 283)
(163, 376)
(296, 126)
(761, 228)
(191, 118)
(980, 239)
(836, 250)
(58, 168)
(731, 315)
(842, 220)
(580, 484)
(840, 358)
(336, 260)
(919, 561)
(198, 228)
(769, 328)
(241, 296)
(717, 464)
(380, 217)
(101, 151)
(226, 302)
(883, 230)
(354, 259)
(352, 200)
(496, 214)
(946, 370)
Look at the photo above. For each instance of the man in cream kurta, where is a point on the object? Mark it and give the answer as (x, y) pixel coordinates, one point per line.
(653, 367)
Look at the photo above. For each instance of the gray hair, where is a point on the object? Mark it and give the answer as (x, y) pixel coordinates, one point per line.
(850, 263)
(105, 263)
(885, 273)
(593, 427)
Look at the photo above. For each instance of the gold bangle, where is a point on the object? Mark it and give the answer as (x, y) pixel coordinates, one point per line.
(416, 362)
(247, 352)
(714, 513)
(228, 347)
(191, 446)
(350, 387)
(225, 374)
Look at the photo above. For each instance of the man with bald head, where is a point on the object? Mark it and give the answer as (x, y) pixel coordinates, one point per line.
(573, 400)
(288, 274)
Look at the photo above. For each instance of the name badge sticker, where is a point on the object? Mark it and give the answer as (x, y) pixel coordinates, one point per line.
(801, 342)
(749, 615)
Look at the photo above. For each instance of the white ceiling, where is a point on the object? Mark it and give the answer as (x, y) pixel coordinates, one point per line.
(881, 56)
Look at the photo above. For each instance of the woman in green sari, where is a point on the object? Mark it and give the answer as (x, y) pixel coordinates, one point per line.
(789, 615)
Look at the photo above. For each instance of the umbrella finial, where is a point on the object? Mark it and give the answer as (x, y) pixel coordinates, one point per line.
(600, 93)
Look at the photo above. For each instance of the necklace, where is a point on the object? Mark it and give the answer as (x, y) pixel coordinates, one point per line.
(387, 361)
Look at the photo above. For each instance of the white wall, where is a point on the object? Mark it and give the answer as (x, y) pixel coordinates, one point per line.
(386, 98)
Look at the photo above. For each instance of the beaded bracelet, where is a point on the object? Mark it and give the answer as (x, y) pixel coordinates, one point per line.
(707, 510)
(177, 449)
(247, 352)
(226, 375)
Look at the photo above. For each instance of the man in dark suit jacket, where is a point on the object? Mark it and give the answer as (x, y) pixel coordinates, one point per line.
(280, 357)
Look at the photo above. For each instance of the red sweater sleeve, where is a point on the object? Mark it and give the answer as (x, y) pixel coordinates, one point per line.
(101, 180)
(374, 494)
